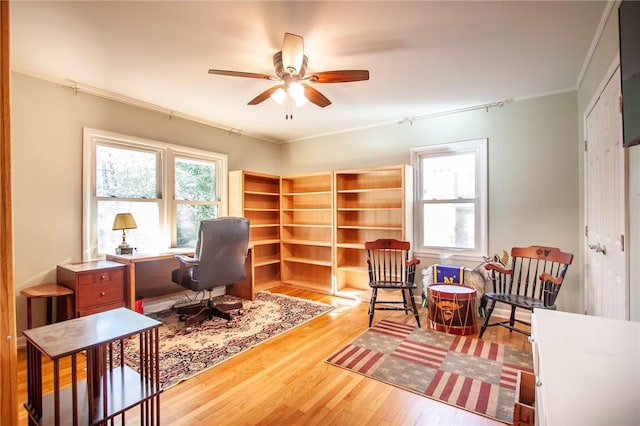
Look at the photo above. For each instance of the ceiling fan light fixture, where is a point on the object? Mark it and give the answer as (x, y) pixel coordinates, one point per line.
(279, 95)
(293, 89)
(292, 53)
(296, 91)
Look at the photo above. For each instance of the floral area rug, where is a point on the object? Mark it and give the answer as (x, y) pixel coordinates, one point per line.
(188, 351)
(468, 373)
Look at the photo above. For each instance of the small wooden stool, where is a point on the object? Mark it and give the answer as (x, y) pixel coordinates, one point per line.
(48, 291)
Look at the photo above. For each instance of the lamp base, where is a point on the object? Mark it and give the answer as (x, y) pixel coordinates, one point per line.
(124, 250)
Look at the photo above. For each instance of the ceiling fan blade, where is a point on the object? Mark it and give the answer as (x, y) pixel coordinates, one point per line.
(264, 95)
(315, 96)
(343, 76)
(243, 74)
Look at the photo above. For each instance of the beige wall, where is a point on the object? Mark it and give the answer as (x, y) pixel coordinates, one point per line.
(47, 121)
(533, 169)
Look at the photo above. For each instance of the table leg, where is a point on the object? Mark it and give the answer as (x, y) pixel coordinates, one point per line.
(49, 310)
(244, 289)
(131, 288)
(28, 312)
(34, 384)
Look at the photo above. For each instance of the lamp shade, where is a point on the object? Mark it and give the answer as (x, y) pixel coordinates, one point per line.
(292, 53)
(124, 221)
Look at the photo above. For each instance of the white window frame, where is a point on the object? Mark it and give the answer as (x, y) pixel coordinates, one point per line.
(479, 148)
(166, 154)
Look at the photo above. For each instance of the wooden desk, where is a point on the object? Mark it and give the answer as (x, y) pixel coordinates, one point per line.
(111, 388)
(587, 369)
(149, 276)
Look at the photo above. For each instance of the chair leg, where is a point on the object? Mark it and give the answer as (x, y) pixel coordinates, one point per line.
(404, 301)
(512, 319)
(415, 309)
(372, 304)
(490, 305)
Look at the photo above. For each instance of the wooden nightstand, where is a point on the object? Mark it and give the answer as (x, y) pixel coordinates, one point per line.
(98, 285)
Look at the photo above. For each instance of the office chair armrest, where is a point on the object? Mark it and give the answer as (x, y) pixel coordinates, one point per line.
(186, 263)
(191, 261)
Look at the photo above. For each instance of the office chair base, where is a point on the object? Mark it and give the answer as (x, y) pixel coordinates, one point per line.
(192, 315)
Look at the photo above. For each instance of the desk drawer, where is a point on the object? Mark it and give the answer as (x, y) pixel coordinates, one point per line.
(100, 293)
(101, 276)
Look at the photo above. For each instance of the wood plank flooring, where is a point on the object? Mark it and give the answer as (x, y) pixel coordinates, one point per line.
(286, 381)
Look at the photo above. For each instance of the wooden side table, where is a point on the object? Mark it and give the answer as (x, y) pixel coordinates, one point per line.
(111, 387)
(47, 291)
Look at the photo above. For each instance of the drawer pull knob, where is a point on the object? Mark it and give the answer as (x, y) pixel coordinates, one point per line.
(103, 294)
(103, 276)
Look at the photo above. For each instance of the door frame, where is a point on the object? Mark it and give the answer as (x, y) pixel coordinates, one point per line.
(613, 67)
(8, 348)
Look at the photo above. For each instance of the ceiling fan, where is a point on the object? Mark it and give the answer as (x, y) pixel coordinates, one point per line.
(290, 69)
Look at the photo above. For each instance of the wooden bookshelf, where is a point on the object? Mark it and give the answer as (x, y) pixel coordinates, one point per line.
(369, 204)
(306, 209)
(309, 230)
(256, 196)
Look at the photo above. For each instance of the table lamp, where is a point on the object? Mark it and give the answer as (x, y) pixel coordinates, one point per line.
(124, 221)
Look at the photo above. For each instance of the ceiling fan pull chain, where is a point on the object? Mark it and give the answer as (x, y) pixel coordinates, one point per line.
(287, 105)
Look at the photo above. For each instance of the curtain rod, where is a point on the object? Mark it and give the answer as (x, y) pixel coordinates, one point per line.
(497, 104)
(79, 87)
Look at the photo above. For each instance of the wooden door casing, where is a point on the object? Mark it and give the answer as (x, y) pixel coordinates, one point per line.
(606, 288)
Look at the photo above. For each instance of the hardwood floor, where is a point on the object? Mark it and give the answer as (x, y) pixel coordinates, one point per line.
(286, 380)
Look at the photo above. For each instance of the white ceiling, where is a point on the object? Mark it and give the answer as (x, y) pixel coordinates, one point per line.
(423, 56)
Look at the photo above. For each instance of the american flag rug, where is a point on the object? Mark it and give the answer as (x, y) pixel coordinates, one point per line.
(468, 373)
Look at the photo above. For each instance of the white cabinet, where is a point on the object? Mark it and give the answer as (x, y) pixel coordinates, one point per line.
(587, 369)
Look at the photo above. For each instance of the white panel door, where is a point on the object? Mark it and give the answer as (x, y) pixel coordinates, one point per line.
(606, 292)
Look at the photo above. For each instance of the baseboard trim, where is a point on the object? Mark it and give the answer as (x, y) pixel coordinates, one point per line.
(505, 313)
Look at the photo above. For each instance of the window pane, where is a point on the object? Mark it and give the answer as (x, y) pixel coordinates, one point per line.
(125, 173)
(145, 238)
(449, 177)
(188, 222)
(195, 180)
(449, 225)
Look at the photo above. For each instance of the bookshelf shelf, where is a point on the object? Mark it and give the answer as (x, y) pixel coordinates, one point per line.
(370, 204)
(256, 196)
(307, 231)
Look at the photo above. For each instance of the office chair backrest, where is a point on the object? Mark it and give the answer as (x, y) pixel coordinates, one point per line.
(223, 244)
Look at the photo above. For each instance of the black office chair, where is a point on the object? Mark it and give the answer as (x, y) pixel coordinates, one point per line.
(219, 260)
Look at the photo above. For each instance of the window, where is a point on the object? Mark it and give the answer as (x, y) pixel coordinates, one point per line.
(168, 190)
(451, 204)
(195, 197)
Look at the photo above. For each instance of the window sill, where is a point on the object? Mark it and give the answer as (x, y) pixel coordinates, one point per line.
(449, 257)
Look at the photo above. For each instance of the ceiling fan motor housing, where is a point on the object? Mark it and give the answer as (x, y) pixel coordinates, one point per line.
(281, 71)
